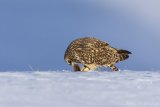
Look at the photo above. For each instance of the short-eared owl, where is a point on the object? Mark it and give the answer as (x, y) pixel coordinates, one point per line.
(93, 53)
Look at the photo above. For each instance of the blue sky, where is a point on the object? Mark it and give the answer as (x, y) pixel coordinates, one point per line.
(35, 33)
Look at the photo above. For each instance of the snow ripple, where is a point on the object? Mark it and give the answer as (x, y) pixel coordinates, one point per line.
(80, 89)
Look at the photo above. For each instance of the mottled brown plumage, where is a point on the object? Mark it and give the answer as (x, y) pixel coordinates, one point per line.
(93, 53)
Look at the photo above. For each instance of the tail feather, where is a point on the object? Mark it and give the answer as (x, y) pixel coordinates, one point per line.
(123, 54)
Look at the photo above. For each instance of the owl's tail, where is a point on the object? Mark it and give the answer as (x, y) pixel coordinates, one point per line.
(123, 54)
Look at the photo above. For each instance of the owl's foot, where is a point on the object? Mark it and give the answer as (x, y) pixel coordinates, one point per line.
(113, 67)
(90, 67)
(85, 69)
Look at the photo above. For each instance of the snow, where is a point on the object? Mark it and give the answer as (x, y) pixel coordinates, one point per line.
(80, 89)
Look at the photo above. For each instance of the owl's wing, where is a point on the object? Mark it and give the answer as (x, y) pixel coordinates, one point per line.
(88, 43)
(92, 44)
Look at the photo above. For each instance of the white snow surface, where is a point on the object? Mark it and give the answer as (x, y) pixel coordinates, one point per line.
(80, 89)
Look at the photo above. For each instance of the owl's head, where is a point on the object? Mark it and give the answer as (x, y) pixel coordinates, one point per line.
(67, 57)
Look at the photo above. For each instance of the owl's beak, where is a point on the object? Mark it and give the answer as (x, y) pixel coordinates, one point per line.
(76, 67)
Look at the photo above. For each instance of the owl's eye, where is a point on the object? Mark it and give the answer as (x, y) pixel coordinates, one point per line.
(69, 62)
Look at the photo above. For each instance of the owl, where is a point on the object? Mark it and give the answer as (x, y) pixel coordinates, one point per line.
(93, 53)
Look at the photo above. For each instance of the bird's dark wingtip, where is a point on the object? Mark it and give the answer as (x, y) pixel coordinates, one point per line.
(124, 51)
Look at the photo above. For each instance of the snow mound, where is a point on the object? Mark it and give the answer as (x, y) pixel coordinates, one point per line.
(80, 89)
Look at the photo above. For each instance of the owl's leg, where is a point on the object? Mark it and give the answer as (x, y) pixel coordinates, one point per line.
(113, 67)
(90, 67)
